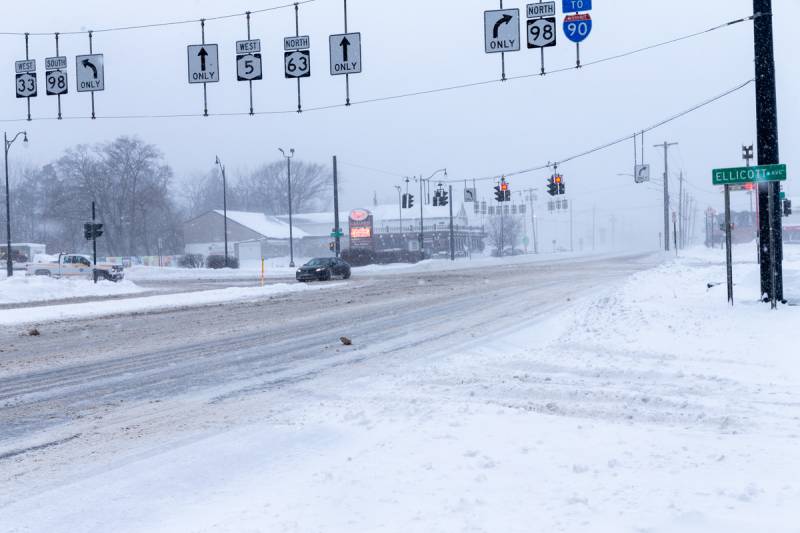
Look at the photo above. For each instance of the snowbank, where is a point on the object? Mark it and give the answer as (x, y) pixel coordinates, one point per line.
(39, 315)
(23, 289)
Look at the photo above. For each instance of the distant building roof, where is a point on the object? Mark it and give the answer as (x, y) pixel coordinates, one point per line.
(270, 227)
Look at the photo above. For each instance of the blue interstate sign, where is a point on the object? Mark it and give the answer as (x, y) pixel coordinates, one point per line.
(573, 6)
(578, 27)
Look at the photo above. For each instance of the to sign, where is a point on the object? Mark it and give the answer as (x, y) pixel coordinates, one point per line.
(573, 6)
(542, 9)
(297, 64)
(501, 30)
(203, 63)
(759, 174)
(345, 53)
(578, 27)
(248, 60)
(542, 32)
(90, 73)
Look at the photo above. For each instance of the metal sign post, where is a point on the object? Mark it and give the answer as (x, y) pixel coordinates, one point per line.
(501, 33)
(729, 242)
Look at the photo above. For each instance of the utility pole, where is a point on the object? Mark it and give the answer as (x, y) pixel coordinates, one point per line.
(421, 221)
(94, 244)
(531, 195)
(337, 228)
(768, 152)
(571, 233)
(666, 146)
(289, 181)
(680, 211)
(224, 207)
(7, 145)
(452, 230)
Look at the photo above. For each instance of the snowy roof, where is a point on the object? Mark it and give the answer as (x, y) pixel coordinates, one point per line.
(267, 226)
(392, 212)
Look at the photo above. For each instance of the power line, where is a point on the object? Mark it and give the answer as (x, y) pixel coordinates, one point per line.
(404, 95)
(159, 24)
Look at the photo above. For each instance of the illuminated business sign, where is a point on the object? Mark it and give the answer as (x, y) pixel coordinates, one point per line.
(361, 228)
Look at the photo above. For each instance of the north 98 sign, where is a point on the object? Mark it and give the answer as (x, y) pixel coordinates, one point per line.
(542, 32)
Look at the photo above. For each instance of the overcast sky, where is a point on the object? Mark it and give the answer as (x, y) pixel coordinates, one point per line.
(411, 46)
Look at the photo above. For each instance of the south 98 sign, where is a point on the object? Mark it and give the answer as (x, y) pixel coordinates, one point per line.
(542, 32)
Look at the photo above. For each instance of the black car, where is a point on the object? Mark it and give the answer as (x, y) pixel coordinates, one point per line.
(323, 269)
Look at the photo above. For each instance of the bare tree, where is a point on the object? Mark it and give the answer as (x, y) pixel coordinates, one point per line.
(266, 190)
(505, 231)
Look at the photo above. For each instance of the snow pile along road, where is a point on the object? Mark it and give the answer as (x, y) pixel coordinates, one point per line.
(23, 289)
(40, 315)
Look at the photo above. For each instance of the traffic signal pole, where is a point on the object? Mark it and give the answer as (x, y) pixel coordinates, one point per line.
(666, 146)
(768, 153)
(336, 208)
(452, 231)
(94, 243)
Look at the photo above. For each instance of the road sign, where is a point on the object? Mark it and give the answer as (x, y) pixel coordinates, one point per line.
(300, 42)
(759, 174)
(27, 86)
(574, 6)
(542, 32)
(345, 53)
(55, 79)
(578, 27)
(641, 173)
(501, 30)
(26, 82)
(203, 63)
(248, 60)
(337, 234)
(297, 64)
(469, 195)
(542, 9)
(90, 73)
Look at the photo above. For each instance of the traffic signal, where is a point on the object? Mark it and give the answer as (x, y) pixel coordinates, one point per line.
(88, 231)
(408, 201)
(98, 230)
(787, 208)
(552, 187)
(332, 246)
(499, 194)
(444, 198)
(561, 187)
(508, 196)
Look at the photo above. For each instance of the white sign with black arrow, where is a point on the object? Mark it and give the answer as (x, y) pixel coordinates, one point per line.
(345, 53)
(90, 73)
(501, 29)
(203, 63)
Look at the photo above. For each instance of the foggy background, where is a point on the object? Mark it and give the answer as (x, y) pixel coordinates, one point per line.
(413, 46)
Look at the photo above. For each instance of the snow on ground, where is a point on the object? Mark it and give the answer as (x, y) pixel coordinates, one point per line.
(39, 315)
(650, 407)
(275, 267)
(22, 288)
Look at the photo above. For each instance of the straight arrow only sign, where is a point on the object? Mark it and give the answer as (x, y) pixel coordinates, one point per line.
(203, 63)
(345, 49)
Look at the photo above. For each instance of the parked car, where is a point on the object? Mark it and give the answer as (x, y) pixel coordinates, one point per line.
(323, 269)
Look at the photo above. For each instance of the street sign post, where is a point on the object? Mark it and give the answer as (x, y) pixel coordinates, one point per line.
(56, 82)
(759, 174)
(27, 86)
(90, 73)
(297, 64)
(345, 53)
(501, 31)
(203, 60)
(248, 60)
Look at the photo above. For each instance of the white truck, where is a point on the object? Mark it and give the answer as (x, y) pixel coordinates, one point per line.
(76, 266)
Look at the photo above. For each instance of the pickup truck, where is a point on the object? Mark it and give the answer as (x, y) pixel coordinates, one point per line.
(76, 266)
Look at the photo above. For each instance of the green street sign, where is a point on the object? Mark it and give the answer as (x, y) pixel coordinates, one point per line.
(760, 174)
(783, 195)
(337, 234)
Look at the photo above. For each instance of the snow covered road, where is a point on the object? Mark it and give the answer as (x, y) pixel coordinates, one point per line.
(521, 398)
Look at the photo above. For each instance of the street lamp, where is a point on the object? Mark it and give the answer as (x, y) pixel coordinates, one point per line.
(224, 206)
(421, 211)
(7, 145)
(289, 181)
(400, 204)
